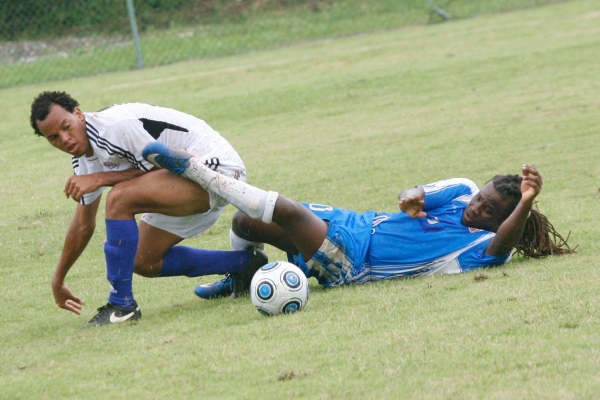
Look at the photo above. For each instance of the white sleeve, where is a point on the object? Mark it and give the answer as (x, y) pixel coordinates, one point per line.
(445, 191)
(86, 166)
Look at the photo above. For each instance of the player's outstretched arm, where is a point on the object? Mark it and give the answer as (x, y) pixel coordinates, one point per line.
(511, 230)
(78, 236)
(411, 201)
(78, 185)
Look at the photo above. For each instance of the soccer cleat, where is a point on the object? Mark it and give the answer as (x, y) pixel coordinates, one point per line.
(162, 156)
(241, 280)
(111, 314)
(214, 290)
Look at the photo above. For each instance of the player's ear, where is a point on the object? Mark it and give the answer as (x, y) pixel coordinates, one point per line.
(79, 114)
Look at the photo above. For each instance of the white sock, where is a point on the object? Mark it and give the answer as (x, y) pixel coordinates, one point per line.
(237, 243)
(257, 203)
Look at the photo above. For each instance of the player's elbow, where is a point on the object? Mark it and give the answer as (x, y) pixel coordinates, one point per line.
(499, 250)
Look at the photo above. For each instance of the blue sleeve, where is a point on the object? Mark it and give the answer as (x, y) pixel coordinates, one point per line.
(475, 258)
(443, 192)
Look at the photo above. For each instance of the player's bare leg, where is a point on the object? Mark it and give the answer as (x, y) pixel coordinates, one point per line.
(151, 250)
(294, 228)
(253, 230)
(305, 230)
(156, 192)
(152, 246)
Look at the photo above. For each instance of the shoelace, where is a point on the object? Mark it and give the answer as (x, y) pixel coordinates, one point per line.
(100, 313)
(176, 166)
(228, 280)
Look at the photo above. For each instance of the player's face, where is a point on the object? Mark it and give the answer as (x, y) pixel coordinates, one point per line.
(487, 210)
(66, 131)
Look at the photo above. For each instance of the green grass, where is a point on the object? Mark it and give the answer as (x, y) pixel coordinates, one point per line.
(348, 122)
(257, 27)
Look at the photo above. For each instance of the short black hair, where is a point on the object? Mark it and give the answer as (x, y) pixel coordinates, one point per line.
(40, 108)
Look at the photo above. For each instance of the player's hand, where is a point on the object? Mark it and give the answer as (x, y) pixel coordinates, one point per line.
(413, 206)
(78, 185)
(64, 298)
(531, 185)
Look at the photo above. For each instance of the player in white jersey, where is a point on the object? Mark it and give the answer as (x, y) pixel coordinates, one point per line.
(106, 148)
(446, 227)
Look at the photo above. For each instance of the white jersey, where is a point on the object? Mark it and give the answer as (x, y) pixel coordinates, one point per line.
(119, 133)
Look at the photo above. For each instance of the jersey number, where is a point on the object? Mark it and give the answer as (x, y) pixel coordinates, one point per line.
(320, 207)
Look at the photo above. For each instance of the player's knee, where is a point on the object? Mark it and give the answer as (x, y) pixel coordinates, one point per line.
(241, 224)
(288, 210)
(119, 200)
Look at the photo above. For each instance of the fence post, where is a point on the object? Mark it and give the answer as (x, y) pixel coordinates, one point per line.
(438, 10)
(134, 32)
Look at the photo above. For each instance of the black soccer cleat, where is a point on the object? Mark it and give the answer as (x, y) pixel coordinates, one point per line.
(112, 314)
(241, 280)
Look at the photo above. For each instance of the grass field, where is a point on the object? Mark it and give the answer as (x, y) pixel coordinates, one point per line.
(348, 122)
(235, 27)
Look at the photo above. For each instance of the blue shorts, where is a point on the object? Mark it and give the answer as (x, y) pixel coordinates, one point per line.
(341, 258)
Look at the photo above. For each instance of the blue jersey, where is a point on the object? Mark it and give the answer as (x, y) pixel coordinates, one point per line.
(377, 246)
(438, 243)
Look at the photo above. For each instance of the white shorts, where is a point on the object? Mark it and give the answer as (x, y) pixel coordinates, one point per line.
(222, 158)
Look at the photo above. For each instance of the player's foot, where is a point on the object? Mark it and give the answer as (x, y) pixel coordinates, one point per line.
(214, 290)
(242, 279)
(164, 157)
(111, 314)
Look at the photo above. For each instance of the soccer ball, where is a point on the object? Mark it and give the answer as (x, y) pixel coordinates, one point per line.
(279, 288)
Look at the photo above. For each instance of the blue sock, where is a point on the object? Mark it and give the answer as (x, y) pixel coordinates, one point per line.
(188, 261)
(119, 250)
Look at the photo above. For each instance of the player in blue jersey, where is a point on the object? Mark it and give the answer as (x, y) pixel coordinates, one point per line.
(106, 151)
(445, 227)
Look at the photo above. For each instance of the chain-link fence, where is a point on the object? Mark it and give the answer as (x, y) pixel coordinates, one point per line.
(42, 41)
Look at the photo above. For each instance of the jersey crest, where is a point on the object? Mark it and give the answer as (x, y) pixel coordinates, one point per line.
(429, 225)
(110, 165)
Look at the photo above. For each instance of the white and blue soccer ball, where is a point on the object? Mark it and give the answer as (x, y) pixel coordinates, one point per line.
(279, 288)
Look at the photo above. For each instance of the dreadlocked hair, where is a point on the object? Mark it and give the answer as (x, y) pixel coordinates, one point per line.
(539, 238)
